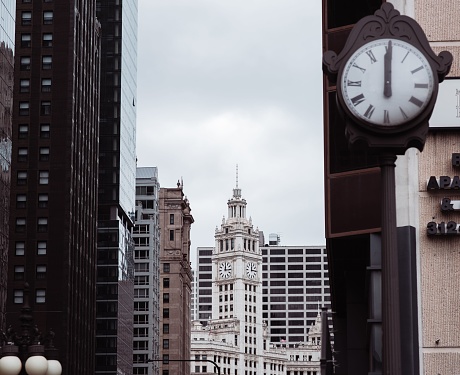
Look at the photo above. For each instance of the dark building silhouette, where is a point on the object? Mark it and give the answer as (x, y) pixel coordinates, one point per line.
(7, 9)
(54, 174)
(117, 184)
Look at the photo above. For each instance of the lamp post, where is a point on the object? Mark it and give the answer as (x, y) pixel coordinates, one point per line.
(165, 361)
(26, 351)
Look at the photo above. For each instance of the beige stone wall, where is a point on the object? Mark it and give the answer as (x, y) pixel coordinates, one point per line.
(440, 255)
(439, 261)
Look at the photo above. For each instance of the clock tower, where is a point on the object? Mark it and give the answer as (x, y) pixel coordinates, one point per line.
(237, 281)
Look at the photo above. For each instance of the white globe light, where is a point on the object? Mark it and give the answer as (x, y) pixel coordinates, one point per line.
(36, 365)
(54, 367)
(10, 365)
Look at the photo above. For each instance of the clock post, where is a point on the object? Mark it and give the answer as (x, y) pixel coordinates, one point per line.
(387, 79)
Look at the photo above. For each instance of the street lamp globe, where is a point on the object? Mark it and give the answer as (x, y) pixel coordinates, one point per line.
(10, 365)
(36, 365)
(54, 367)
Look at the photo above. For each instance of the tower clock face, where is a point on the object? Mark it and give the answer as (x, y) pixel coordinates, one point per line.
(386, 83)
(225, 270)
(251, 270)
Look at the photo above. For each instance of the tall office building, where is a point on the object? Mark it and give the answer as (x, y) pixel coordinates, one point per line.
(117, 174)
(175, 280)
(295, 283)
(203, 277)
(7, 11)
(146, 236)
(428, 258)
(54, 174)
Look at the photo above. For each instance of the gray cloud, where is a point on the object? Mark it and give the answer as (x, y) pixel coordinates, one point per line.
(227, 82)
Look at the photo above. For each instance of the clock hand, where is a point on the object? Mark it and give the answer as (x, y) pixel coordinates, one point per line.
(387, 70)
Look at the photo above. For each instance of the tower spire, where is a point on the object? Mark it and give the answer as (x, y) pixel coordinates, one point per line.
(236, 191)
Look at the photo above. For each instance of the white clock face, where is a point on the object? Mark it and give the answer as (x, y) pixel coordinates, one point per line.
(251, 270)
(387, 82)
(225, 270)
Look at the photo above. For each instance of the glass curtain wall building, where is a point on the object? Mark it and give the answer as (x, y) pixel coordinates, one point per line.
(7, 13)
(117, 175)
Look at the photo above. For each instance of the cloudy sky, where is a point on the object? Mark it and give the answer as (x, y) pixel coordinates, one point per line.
(227, 82)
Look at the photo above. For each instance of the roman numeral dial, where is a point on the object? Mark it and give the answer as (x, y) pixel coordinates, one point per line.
(386, 83)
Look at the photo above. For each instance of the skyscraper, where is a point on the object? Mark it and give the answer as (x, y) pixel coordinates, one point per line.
(7, 10)
(117, 178)
(146, 236)
(54, 174)
(175, 280)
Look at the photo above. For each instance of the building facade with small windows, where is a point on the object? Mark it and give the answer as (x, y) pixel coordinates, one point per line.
(175, 281)
(236, 336)
(146, 236)
(55, 143)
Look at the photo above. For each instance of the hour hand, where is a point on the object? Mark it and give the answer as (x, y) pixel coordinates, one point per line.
(387, 70)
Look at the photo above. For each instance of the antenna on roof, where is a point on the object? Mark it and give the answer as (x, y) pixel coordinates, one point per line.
(237, 176)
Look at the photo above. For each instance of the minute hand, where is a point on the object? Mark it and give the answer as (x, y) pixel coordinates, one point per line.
(387, 70)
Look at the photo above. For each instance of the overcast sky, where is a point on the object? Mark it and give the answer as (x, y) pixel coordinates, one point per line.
(227, 82)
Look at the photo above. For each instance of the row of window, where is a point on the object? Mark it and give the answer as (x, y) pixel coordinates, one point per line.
(21, 200)
(24, 131)
(43, 154)
(25, 61)
(26, 40)
(20, 248)
(40, 272)
(43, 177)
(45, 108)
(26, 18)
(24, 85)
(42, 224)
(40, 296)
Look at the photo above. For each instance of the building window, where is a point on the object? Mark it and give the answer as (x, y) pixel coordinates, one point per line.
(19, 272)
(171, 235)
(165, 297)
(20, 248)
(165, 344)
(40, 296)
(23, 108)
(45, 108)
(43, 177)
(47, 17)
(166, 267)
(24, 85)
(44, 130)
(41, 272)
(166, 282)
(165, 328)
(166, 313)
(47, 40)
(20, 224)
(42, 224)
(18, 296)
(42, 200)
(22, 178)
(21, 201)
(47, 62)
(41, 247)
(23, 131)
(46, 85)
(26, 40)
(26, 18)
(25, 63)
(171, 218)
(22, 154)
(44, 154)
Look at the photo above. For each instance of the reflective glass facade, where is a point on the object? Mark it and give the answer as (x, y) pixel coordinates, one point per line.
(117, 178)
(7, 15)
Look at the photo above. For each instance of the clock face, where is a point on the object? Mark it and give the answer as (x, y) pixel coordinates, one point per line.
(225, 270)
(251, 270)
(386, 82)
